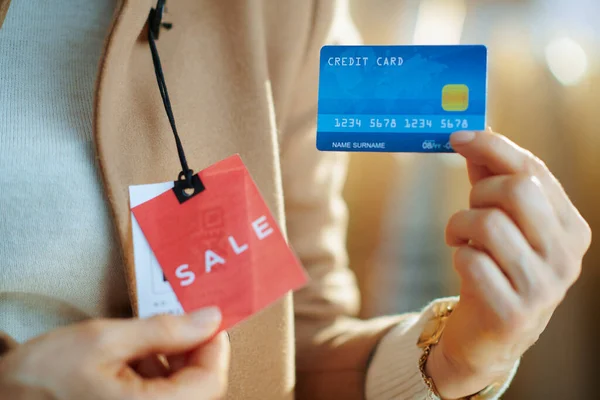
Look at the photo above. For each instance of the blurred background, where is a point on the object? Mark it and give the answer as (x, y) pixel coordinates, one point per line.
(544, 93)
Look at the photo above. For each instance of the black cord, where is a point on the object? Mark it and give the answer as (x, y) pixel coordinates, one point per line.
(154, 24)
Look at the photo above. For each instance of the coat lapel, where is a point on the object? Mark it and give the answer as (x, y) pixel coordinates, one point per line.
(215, 65)
(117, 154)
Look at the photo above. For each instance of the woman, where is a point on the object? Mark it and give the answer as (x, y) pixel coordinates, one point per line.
(242, 78)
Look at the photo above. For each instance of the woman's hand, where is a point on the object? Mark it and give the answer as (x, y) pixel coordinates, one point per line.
(519, 249)
(94, 360)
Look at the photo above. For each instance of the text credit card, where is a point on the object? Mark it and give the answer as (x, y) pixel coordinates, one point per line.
(399, 98)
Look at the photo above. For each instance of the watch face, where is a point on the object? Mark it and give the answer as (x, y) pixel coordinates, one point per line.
(432, 331)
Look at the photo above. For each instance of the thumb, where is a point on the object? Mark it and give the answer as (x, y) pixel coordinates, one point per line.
(206, 371)
(205, 374)
(164, 334)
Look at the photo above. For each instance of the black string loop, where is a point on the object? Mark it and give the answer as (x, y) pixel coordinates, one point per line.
(155, 18)
(186, 176)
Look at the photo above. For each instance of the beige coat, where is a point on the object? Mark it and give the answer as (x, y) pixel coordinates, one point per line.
(242, 77)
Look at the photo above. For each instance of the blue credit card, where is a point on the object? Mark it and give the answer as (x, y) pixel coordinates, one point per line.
(400, 98)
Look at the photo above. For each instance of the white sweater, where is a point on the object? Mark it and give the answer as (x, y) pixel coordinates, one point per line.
(57, 246)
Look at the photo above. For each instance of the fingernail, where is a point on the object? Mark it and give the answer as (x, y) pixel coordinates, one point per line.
(205, 317)
(462, 137)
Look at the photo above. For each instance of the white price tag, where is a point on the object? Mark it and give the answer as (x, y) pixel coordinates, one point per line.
(155, 295)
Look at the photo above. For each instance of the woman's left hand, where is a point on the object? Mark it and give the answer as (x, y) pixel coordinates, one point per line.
(519, 248)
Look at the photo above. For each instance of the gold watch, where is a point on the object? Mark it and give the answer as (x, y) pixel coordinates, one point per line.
(430, 336)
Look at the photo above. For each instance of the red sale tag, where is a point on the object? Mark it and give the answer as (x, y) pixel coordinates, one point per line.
(222, 247)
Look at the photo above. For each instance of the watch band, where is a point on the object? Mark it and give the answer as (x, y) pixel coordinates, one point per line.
(430, 336)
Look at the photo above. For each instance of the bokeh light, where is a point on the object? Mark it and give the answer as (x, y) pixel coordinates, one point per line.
(567, 60)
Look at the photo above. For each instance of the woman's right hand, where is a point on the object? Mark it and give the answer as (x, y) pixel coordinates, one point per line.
(93, 360)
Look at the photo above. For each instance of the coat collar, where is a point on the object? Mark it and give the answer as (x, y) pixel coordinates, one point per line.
(3, 10)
